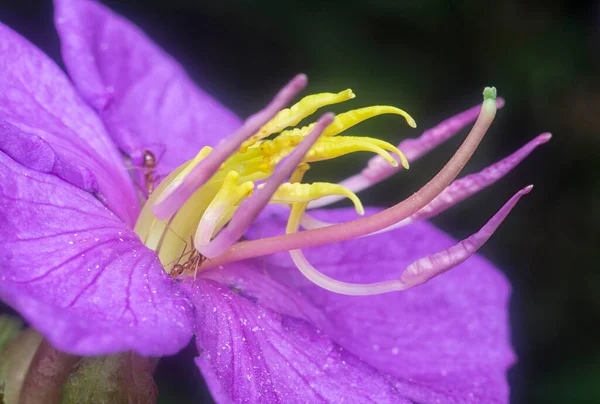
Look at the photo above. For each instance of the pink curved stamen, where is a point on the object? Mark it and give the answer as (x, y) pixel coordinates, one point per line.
(468, 186)
(378, 169)
(459, 190)
(433, 265)
(419, 271)
(167, 206)
(373, 223)
(252, 207)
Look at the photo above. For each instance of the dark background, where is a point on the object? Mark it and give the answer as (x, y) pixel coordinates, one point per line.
(431, 58)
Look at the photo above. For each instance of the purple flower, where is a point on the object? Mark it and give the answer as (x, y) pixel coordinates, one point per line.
(95, 275)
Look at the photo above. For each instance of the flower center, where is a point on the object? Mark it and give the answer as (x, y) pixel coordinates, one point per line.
(195, 218)
(179, 238)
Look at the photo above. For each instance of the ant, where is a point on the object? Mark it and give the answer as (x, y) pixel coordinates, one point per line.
(149, 163)
(193, 262)
(148, 167)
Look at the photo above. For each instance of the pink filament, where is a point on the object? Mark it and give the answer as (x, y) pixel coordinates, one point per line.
(378, 169)
(252, 207)
(166, 207)
(373, 223)
(460, 189)
(419, 271)
(466, 187)
(433, 265)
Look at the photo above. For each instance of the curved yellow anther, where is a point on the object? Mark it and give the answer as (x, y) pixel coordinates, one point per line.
(223, 205)
(391, 148)
(297, 112)
(332, 147)
(348, 119)
(289, 193)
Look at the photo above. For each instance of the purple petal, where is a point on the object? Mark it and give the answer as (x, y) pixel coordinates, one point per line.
(251, 354)
(78, 275)
(449, 335)
(146, 99)
(248, 278)
(46, 126)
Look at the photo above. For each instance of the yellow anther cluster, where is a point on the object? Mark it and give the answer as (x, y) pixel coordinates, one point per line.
(297, 112)
(266, 154)
(211, 207)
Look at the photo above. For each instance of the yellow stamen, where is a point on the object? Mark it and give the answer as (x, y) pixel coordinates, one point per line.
(346, 120)
(327, 148)
(288, 193)
(298, 174)
(223, 204)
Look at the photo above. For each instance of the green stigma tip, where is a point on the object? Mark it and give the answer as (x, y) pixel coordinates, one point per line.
(489, 93)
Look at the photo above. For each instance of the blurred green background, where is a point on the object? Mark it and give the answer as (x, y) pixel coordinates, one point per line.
(431, 58)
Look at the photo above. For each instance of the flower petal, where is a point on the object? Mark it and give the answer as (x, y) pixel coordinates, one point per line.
(449, 335)
(251, 354)
(78, 275)
(146, 99)
(46, 126)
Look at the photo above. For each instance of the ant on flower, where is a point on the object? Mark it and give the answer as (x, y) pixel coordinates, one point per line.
(144, 173)
(149, 163)
(193, 262)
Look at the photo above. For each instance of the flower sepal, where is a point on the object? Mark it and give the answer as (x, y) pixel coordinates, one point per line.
(120, 378)
(16, 356)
